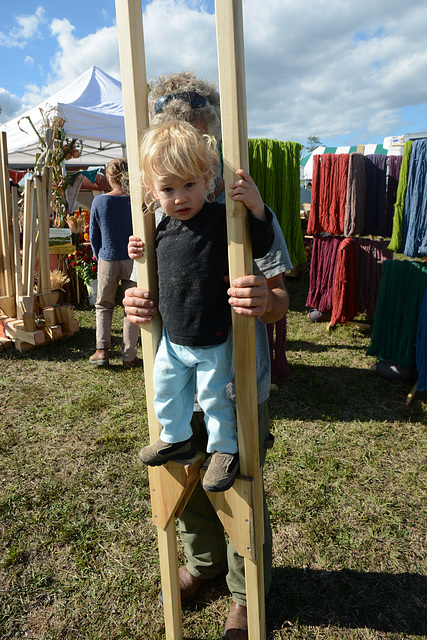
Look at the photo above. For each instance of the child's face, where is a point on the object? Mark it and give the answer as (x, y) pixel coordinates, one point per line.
(179, 198)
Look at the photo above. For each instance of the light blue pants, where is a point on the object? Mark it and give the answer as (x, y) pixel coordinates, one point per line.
(178, 370)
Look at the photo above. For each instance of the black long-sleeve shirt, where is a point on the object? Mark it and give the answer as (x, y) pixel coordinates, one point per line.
(192, 261)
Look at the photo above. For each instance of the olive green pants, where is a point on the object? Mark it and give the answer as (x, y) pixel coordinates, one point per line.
(207, 551)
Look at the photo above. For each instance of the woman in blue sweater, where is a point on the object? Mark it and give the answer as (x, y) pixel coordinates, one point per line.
(109, 230)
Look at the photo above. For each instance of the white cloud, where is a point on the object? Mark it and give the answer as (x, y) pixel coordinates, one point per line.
(332, 68)
(10, 105)
(178, 37)
(28, 27)
(329, 68)
(76, 55)
(73, 57)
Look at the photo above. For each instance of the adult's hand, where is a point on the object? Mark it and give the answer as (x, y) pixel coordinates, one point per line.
(249, 295)
(256, 296)
(138, 305)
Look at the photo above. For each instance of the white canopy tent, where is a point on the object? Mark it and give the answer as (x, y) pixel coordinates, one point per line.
(93, 107)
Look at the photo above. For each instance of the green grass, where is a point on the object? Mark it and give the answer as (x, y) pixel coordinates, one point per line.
(346, 485)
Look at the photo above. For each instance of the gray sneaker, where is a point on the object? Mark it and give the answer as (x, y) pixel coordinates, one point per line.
(221, 471)
(160, 452)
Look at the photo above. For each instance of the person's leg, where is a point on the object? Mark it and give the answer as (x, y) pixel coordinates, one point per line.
(130, 331)
(173, 381)
(200, 529)
(213, 374)
(130, 339)
(236, 572)
(108, 279)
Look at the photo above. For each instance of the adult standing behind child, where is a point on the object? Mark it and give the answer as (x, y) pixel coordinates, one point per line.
(109, 229)
(183, 96)
(178, 167)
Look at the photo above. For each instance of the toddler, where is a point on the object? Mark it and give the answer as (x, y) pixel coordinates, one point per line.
(179, 166)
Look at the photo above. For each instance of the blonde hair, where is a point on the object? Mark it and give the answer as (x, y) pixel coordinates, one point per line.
(176, 149)
(117, 170)
(175, 86)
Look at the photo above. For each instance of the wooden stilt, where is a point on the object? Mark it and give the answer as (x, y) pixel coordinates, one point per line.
(26, 234)
(229, 28)
(134, 88)
(240, 509)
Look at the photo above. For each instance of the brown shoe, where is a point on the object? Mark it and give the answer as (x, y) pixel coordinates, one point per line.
(100, 358)
(236, 626)
(128, 364)
(188, 586)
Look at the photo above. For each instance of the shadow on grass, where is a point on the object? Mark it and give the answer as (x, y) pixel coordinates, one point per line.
(75, 348)
(316, 347)
(342, 393)
(352, 599)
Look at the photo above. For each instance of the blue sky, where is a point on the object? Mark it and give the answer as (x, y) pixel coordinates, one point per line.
(349, 73)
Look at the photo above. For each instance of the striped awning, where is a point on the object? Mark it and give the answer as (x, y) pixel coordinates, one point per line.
(306, 162)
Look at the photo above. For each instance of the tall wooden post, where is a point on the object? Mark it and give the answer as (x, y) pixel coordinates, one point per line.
(134, 88)
(231, 64)
(29, 242)
(7, 278)
(16, 252)
(169, 484)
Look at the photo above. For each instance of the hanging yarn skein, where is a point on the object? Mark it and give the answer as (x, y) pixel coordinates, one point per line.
(397, 231)
(314, 224)
(274, 167)
(394, 166)
(370, 255)
(415, 211)
(345, 299)
(322, 272)
(375, 205)
(356, 196)
(394, 331)
(421, 346)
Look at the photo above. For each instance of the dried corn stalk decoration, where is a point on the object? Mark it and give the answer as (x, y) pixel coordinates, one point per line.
(54, 149)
